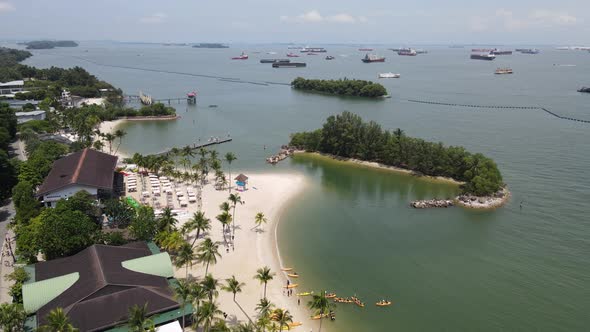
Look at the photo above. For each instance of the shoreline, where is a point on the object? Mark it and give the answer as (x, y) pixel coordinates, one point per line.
(373, 164)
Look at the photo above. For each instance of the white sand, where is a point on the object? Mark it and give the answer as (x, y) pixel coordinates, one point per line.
(267, 193)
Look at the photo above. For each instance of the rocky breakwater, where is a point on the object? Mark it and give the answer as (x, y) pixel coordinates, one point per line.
(285, 152)
(484, 202)
(432, 203)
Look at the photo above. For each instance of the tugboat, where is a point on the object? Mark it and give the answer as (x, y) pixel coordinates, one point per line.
(502, 71)
(488, 56)
(372, 58)
(329, 57)
(242, 56)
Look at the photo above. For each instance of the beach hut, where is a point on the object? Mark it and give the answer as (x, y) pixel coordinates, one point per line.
(241, 182)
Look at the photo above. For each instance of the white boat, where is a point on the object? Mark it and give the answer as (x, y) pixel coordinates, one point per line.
(389, 75)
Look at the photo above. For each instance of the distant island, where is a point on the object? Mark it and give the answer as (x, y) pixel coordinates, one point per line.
(341, 87)
(347, 136)
(210, 45)
(49, 44)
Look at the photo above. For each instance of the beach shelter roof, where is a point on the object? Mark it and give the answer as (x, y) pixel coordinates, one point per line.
(241, 178)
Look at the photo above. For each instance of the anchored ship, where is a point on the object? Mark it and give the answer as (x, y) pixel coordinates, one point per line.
(389, 75)
(274, 60)
(407, 52)
(496, 51)
(288, 64)
(242, 56)
(313, 50)
(502, 71)
(488, 56)
(372, 58)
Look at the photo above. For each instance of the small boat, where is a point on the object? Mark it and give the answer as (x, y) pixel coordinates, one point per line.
(330, 295)
(501, 71)
(293, 275)
(271, 52)
(383, 303)
(366, 49)
(242, 56)
(292, 55)
(212, 106)
(311, 53)
(291, 286)
(407, 52)
(316, 317)
(291, 326)
(584, 90)
(329, 57)
(274, 60)
(305, 293)
(389, 75)
(287, 269)
(288, 64)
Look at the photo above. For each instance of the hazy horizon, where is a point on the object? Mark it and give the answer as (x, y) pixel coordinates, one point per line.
(425, 22)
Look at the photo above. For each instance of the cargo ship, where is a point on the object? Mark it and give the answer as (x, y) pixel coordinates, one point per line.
(488, 56)
(530, 51)
(389, 75)
(274, 60)
(372, 58)
(313, 50)
(486, 50)
(502, 71)
(496, 51)
(242, 56)
(210, 45)
(407, 52)
(288, 64)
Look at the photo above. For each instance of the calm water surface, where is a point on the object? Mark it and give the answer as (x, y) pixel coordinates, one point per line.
(352, 231)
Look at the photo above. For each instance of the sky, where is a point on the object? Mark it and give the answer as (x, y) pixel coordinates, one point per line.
(564, 22)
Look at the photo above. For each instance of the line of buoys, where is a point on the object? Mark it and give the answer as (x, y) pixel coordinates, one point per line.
(502, 107)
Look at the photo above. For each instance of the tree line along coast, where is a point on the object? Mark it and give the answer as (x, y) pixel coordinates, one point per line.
(347, 136)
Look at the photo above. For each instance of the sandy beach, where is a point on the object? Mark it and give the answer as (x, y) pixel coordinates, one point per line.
(252, 248)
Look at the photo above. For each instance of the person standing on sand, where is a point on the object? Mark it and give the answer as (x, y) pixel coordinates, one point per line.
(298, 301)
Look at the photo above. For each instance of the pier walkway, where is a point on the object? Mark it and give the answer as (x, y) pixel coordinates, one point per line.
(198, 145)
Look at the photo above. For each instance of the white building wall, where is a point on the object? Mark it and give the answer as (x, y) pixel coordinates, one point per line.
(51, 198)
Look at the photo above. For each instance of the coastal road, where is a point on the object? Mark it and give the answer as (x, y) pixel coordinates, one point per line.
(7, 212)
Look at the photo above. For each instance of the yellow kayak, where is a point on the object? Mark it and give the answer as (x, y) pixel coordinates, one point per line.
(291, 286)
(316, 317)
(383, 303)
(305, 293)
(287, 269)
(293, 275)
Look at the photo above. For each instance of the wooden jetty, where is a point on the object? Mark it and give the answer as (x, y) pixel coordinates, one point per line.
(198, 145)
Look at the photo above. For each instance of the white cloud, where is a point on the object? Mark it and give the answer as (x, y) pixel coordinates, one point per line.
(509, 21)
(6, 7)
(154, 18)
(314, 16)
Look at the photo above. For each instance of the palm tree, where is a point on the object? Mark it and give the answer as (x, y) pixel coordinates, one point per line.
(225, 219)
(233, 286)
(259, 219)
(170, 241)
(198, 294)
(230, 157)
(321, 305)
(209, 312)
(185, 257)
(167, 222)
(234, 199)
(283, 317)
(183, 292)
(57, 321)
(264, 307)
(138, 320)
(110, 138)
(199, 223)
(210, 286)
(264, 275)
(208, 252)
(119, 134)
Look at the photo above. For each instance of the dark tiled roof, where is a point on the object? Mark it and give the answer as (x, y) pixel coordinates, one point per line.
(241, 178)
(105, 291)
(87, 167)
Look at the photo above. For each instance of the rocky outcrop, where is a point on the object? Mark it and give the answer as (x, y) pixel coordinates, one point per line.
(432, 203)
(484, 202)
(285, 152)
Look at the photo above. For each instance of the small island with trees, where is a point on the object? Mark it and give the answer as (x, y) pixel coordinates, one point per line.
(346, 136)
(49, 44)
(341, 87)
